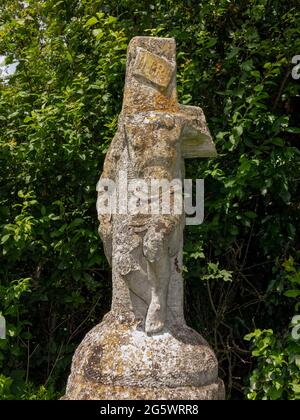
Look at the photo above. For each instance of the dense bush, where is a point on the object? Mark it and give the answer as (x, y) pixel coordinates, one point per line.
(58, 113)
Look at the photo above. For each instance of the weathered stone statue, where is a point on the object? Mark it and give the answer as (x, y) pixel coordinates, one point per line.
(143, 348)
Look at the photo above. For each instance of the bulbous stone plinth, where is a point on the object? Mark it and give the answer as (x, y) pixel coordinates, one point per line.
(118, 360)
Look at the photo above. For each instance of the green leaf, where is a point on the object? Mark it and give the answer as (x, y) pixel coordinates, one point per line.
(98, 33)
(296, 388)
(292, 293)
(238, 130)
(277, 141)
(92, 21)
(297, 362)
(250, 214)
(294, 130)
(234, 230)
(5, 238)
(247, 65)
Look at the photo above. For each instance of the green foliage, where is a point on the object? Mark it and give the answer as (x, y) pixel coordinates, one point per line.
(58, 113)
(9, 391)
(216, 273)
(277, 375)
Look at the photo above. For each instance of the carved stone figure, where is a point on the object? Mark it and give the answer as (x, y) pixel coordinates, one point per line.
(143, 348)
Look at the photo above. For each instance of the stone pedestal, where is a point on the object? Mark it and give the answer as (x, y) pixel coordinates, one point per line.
(118, 361)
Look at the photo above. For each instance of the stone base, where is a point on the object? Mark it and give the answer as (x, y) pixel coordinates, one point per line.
(214, 391)
(118, 360)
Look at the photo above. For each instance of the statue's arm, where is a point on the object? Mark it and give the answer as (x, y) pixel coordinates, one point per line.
(113, 155)
(160, 231)
(109, 172)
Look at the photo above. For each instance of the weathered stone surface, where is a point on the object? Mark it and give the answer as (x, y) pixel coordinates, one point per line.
(153, 69)
(143, 348)
(117, 360)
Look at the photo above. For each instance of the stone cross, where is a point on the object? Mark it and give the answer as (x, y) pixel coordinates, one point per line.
(143, 348)
(154, 135)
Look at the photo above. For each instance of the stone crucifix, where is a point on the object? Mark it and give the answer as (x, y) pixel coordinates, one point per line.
(143, 348)
(155, 134)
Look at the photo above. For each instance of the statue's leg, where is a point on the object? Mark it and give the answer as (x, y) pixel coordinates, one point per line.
(159, 277)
